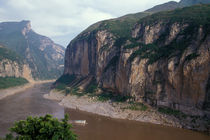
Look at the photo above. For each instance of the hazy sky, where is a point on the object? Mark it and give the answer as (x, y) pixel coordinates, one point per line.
(62, 20)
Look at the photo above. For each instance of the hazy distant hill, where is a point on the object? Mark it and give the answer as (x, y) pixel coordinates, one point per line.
(45, 58)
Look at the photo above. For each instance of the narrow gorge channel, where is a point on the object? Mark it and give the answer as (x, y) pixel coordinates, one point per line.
(31, 102)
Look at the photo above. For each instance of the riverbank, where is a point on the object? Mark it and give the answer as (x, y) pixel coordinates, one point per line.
(111, 109)
(14, 90)
(120, 110)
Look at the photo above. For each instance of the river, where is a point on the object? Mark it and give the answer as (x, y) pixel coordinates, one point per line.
(31, 102)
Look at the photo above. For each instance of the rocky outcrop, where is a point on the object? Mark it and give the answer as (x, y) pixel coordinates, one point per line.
(44, 57)
(179, 81)
(13, 69)
(12, 65)
(164, 62)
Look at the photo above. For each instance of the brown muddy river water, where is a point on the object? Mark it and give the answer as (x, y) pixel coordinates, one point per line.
(31, 102)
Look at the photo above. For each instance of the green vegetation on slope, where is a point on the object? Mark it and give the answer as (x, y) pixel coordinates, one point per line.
(42, 128)
(194, 17)
(64, 81)
(120, 27)
(8, 54)
(92, 86)
(136, 106)
(105, 96)
(172, 112)
(154, 52)
(198, 14)
(13, 40)
(66, 84)
(7, 82)
(147, 51)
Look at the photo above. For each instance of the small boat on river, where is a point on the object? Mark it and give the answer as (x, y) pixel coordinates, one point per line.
(80, 122)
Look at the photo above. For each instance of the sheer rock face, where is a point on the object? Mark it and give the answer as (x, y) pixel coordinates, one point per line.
(180, 81)
(13, 69)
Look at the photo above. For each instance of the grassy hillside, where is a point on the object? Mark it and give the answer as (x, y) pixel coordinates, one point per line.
(7, 82)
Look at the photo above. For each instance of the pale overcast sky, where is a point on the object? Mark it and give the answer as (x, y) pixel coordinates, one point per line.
(62, 20)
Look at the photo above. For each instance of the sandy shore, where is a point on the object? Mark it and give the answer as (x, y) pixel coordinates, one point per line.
(110, 109)
(14, 90)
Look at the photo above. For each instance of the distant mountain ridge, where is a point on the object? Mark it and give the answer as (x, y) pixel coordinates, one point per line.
(45, 58)
(171, 5)
(193, 2)
(164, 7)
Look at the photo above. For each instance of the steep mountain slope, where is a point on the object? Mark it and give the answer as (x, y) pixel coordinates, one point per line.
(12, 65)
(162, 59)
(45, 58)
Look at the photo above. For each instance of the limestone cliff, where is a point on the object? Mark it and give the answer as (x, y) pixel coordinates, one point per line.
(164, 59)
(13, 69)
(12, 65)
